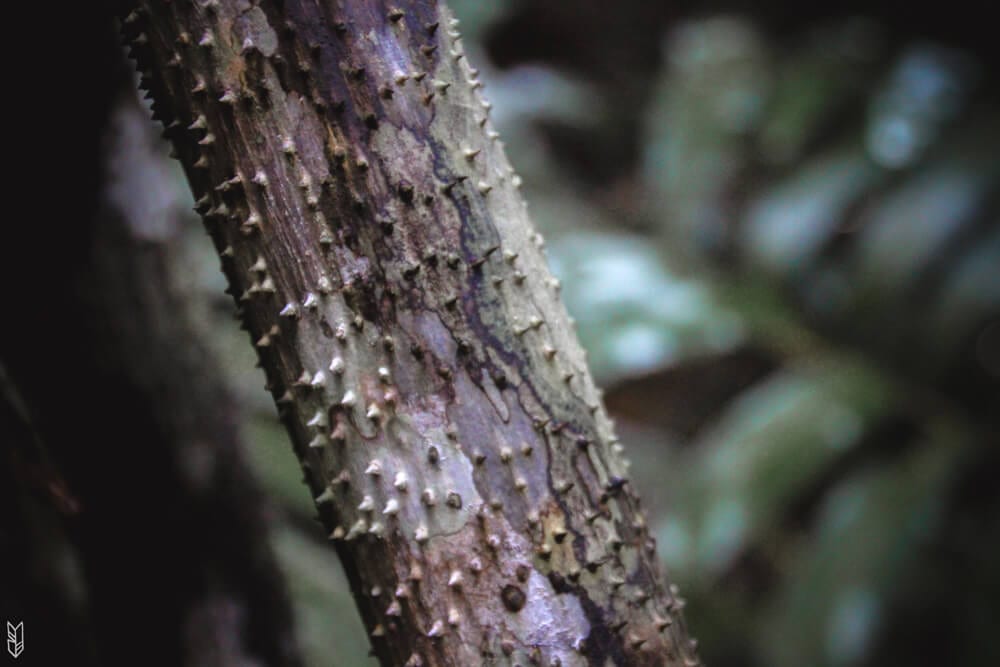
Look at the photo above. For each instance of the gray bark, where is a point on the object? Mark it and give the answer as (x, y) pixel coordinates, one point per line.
(372, 232)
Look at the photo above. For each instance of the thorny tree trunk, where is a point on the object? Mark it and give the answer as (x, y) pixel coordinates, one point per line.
(371, 229)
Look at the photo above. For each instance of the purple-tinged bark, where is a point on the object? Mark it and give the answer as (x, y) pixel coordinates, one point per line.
(371, 228)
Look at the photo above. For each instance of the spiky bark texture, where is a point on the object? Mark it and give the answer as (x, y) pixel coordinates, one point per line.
(373, 234)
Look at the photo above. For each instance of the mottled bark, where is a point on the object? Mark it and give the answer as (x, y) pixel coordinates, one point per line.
(372, 232)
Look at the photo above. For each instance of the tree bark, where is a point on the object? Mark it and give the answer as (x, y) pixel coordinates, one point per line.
(372, 232)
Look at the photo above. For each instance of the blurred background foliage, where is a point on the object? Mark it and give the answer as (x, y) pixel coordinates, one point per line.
(780, 239)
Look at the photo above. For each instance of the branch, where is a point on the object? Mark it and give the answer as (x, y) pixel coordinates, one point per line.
(372, 231)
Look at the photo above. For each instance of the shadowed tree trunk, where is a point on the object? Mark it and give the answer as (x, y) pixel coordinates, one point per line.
(372, 232)
(134, 530)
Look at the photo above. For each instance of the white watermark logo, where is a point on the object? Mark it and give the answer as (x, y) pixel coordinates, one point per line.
(15, 638)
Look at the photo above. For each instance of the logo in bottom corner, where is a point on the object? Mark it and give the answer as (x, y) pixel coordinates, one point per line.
(15, 638)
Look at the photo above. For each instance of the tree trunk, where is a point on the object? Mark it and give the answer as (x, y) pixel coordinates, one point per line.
(372, 232)
(133, 525)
